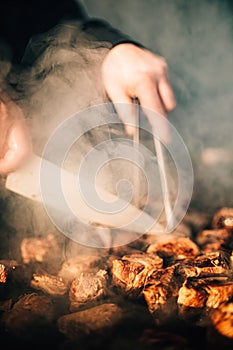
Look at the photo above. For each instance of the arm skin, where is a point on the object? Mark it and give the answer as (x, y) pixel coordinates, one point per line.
(15, 140)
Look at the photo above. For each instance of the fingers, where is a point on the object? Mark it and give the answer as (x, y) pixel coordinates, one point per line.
(154, 108)
(124, 108)
(166, 94)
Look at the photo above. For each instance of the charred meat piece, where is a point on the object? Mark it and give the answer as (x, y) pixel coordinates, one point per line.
(222, 319)
(130, 272)
(213, 263)
(39, 249)
(219, 291)
(87, 288)
(161, 291)
(49, 284)
(191, 295)
(98, 319)
(208, 264)
(208, 291)
(81, 263)
(175, 249)
(223, 218)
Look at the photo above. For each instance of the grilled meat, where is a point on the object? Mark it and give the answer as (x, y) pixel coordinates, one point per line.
(49, 284)
(175, 249)
(130, 272)
(87, 288)
(160, 293)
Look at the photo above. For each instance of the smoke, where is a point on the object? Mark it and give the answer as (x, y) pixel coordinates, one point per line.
(195, 37)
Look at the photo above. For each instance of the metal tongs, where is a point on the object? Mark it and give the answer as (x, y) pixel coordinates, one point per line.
(161, 164)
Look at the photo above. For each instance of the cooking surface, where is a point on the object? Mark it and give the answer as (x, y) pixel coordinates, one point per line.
(168, 292)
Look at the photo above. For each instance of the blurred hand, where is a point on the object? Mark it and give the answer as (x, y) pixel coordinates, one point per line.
(129, 72)
(15, 141)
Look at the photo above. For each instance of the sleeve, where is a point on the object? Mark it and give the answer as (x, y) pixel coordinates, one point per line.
(101, 30)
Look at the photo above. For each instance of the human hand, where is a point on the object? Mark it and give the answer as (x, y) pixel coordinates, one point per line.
(15, 140)
(128, 72)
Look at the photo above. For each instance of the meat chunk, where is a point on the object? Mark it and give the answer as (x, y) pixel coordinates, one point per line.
(87, 288)
(49, 284)
(222, 319)
(81, 263)
(130, 272)
(217, 262)
(209, 291)
(175, 249)
(190, 295)
(161, 291)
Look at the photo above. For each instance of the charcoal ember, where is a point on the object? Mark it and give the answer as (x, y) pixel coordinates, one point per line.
(214, 236)
(28, 314)
(223, 218)
(6, 266)
(49, 284)
(86, 288)
(36, 249)
(160, 293)
(175, 249)
(130, 272)
(95, 320)
(81, 263)
(3, 273)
